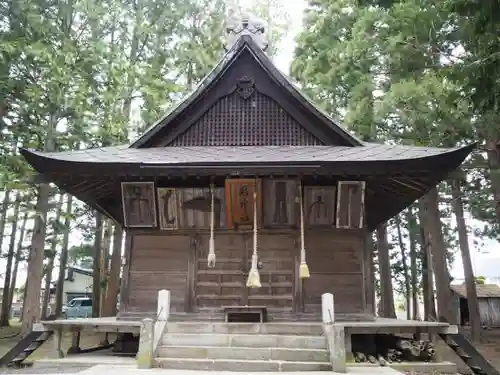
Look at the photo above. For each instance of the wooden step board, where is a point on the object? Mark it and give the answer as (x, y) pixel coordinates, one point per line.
(24, 348)
(469, 354)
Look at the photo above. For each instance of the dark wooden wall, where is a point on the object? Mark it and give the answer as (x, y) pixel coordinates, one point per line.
(178, 262)
(157, 262)
(175, 257)
(336, 266)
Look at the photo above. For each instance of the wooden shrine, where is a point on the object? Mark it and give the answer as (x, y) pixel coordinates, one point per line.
(247, 194)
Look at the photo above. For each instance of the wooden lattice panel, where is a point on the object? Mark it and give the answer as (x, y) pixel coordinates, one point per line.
(255, 121)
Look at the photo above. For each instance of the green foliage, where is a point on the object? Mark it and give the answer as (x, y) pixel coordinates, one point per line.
(81, 255)
(480, 280)
(392, 70)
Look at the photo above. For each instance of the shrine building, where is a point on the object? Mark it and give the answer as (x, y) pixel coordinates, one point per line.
(247, 194)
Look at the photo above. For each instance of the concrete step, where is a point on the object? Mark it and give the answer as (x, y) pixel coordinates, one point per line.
(291, 328)
(242, 340)
(239, 365)
(242, 353)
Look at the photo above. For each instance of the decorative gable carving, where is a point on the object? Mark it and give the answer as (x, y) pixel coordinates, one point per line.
(246, 117)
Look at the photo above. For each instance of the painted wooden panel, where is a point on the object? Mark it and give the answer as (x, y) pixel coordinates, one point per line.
(350, 204)
(167, 208)
(319, 205)
(280, 203)
(240, 203)
(194, 207)
(139, 206)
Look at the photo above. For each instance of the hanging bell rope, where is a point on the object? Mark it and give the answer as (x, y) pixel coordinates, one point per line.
(303, 268)
(211, 242)
(253, 280)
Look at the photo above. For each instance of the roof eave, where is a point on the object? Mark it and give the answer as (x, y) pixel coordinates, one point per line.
(446, 161)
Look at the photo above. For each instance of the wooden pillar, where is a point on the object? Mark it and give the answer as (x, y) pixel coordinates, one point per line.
(191, 273)
(368, 274)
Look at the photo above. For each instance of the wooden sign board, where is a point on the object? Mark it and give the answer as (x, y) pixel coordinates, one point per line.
(167, 208)
(351, 204)
(139, 206)
(282, 204)
(240, 202)
(195, 206)
(319, 206)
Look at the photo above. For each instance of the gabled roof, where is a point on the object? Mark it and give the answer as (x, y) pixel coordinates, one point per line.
(327, 124)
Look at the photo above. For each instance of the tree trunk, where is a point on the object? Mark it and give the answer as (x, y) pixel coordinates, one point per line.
(5, 313)
(31, 304)
(412, 228)
(96, 272)
(24, 296)
(19, 250)
(445, 305)
(427, 274)
(64, 257)
(3, 214)
(386, 292)
(405, 267)
(472, 302)
(114, 273)
(31, 310)
(53, 250)
(493, 154)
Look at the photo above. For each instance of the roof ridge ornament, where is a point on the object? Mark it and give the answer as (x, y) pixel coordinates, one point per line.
(247, 24)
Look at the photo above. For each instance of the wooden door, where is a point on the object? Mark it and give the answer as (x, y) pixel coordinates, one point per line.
(277, 254)
(223, 285)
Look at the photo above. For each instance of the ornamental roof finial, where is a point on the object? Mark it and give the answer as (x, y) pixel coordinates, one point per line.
(247, 24)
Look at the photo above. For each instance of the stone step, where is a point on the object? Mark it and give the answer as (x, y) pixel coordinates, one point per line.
(242, 353)
(239, 365)
(291, 328)
(241, 340)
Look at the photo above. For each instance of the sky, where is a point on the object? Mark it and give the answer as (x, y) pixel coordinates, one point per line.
(485, 255)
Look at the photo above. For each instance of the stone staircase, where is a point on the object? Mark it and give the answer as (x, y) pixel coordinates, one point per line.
(244, 347)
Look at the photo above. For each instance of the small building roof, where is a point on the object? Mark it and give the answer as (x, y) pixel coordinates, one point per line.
(483, 290)
(81, 270)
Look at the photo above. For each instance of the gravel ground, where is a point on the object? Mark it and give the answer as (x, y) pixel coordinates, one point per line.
(45, 369)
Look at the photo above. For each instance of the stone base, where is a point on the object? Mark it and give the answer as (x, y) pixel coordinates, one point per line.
(415, 367)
